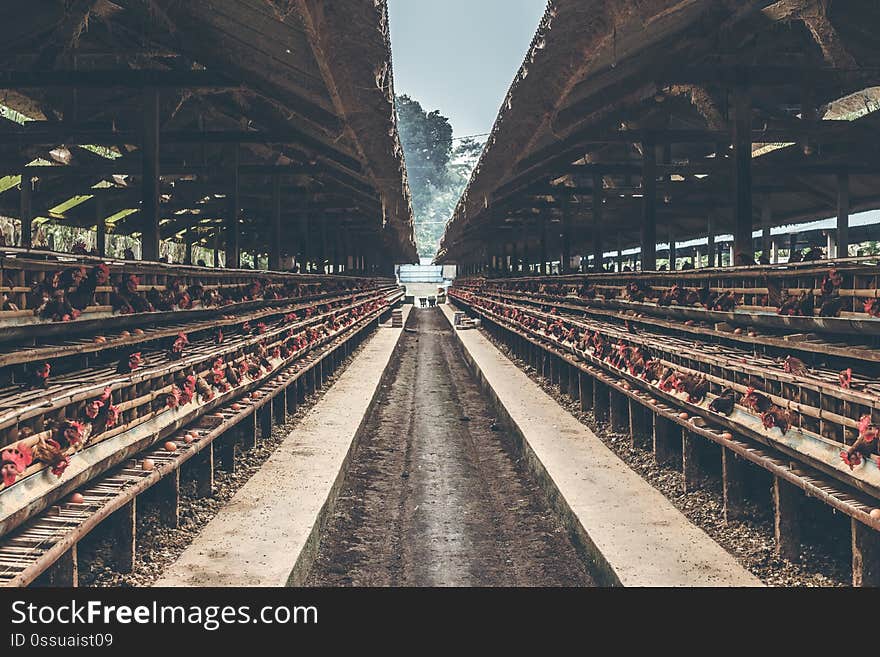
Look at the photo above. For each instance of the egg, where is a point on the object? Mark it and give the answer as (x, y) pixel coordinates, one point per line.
(236, 407)
(170, 447)
(189, 438)
(148, 465)
(125, 334)
(256, 394)
(652, 401)
(738, 331)
(690, 322)
(875, 514)
(77, 498)
(100, 339)
(727, 435)
(752, 334)
(139, 331)
(626, 386)
(683, 416)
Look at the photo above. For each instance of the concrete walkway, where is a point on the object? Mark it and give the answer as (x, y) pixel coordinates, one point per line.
(632, 533)
(268, 533)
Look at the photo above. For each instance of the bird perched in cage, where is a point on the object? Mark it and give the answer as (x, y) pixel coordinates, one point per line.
(794, 366)
(845, 378)
(635, 291)
(218, 336)
(756, 401)
(129, 363)
(724, 403)
(872, 307)
(82, 295)
(39, 378)
(668, 380)
(864, 445)
(777, 417)
(695, 386)
(14, 460)
(175, 351)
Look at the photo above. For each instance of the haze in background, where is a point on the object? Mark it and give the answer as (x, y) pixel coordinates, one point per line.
(460, 56)
(454, 61)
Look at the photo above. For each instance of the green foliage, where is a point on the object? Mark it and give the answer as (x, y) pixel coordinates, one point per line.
(437, 168)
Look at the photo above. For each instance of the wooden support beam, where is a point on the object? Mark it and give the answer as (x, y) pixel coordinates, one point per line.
(733, 484)
(64, 573)
(865, 555)
(122, 78)
(123, 526)
(27, 213)
(279, 402)
(744, 252)
(693, 473)
(787, 503)
(601, 402)
(233, 231)
(150, 175)
(275, 246)
(666, 433)
(842, 215)
(598, 249)
(202, 467)
(100, 226)
(766, 222)
(618, 411)
(649, 205)
(640, 426)
(169, 498)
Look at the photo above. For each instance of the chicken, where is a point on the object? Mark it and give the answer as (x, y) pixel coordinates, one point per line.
(635, 291)
(794, 366)
(695, 386)
(39, 378)
(831, 306)
(864, 445)
(803, 305)
(845, 378)
(175, 352)
(756, 401)
(14, 460)
(724, 403)
(205, 392)
(129, 363)
(83, 295)
(776, 417)
(872, 307)
(727, 302)
(775, 297)
(668, 380)
(218, 336)
(831, 283)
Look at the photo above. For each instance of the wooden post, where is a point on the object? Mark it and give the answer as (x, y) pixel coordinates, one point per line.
(123, 523)
(275, 247)
(27, 212)
(228, 448)
(169, 498)
(64, 573)
(865, 555)
(766, 220)
(640, 428)
(600, 401)
(673, 256)
(598, 249)
(100, 227)
(692, 469)
(787, 500)
(203, 471)
(743, 249)
(619, 411)
(266, 421)
(710, 248)
(279, 411)
(544, 222)
(843, 215)
(664, 435)
(563, 376)
(233, 231)
(649, 204)
(150, 175)
(733, 479)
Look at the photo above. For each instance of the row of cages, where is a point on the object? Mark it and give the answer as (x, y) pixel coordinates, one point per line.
(70, 407)
(69, 288)
(826, 416)
(852, 283)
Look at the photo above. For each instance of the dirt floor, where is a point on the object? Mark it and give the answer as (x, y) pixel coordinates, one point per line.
(436, 495)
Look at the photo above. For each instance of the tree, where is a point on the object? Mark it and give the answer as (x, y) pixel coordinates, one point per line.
(437, 171)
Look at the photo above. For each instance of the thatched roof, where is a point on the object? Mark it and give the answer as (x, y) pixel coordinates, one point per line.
(600, 76)
(314, 77)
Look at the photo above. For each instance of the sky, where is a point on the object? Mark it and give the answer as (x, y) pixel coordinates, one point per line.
(460, 56)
